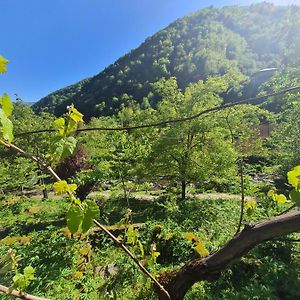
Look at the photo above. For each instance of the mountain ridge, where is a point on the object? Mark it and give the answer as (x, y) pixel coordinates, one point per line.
(207, 42)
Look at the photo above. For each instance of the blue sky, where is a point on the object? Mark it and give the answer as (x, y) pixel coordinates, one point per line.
(54, 43)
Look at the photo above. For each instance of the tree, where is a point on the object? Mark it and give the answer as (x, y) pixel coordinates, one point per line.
(196, 150)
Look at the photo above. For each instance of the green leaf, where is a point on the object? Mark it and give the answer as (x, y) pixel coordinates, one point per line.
(69, 146)
(62, 187)
(76, 115)
(63, 147)
(250, 204)
(295, 197)
(92, 209)
(294, 177)
(6, 104)
(7, 127)
(72, 127)
(141, 247)
(59, 126)
(74, 218)
(29, 272)
(190, 236)
(132, 235)
(280, 199)
(87, 223)
(91, 212)
(3, 63)
(201, 249)
(154, 256)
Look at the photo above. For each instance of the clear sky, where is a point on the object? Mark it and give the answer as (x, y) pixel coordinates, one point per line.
(54, 43)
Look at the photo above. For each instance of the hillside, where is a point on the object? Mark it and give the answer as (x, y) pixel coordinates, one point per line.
(210, 41)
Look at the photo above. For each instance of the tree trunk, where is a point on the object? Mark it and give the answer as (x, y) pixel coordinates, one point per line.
(183, 189)
(45, 193)
(177, 283)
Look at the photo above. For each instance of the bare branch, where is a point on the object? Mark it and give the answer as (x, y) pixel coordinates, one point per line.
(17, 294)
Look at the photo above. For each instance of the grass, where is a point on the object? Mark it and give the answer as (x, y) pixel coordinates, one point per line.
(65, 271)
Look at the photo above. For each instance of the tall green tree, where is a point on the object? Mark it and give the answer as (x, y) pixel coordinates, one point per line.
(199, 149)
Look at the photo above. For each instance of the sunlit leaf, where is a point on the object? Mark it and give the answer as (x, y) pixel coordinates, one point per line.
(201, 249)
(280, 199)
(190, 236)
(29, 272)
(6, 104)
(6, 130)
(271, 193)
(3, 63)
(131, 235)
(72, 127)
(76, 115)
(62, 187)
(294, 177)
(250, 204)
(59, 125)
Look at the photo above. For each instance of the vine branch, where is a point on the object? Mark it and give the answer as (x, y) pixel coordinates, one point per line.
(180, 120)
(18, 294)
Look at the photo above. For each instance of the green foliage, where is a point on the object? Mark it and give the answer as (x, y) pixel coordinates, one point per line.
(64, 143)
(22, 281)
(294, 181)
(6, 129)
(82, 220)
(62, 187)
(91, 211)
(74, 218)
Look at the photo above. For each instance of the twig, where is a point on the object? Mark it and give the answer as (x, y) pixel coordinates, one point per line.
(242, 196)
(18, 294)
(157, 124)
(141, 267)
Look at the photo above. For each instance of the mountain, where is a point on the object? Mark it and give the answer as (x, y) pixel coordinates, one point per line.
(208, 42)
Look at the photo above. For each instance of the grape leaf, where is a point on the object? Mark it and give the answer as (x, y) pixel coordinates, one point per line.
(72, 127)
(6, 104)
(201, 249)
(63, 147)
(250, 204)
(280, 199)
(62, 187)
(91, 212)
(7, 127)
(294, 177)
(76, 115)
(59, 125)
(295, 197)
(74, 218)
(29, 272)
(3, 63)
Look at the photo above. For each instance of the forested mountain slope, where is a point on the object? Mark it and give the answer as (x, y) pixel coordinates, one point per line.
(210, 41)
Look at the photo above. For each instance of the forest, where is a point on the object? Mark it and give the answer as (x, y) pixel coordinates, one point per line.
(172, 174)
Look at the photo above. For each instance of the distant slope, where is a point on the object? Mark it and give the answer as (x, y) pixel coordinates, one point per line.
(210, 41)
